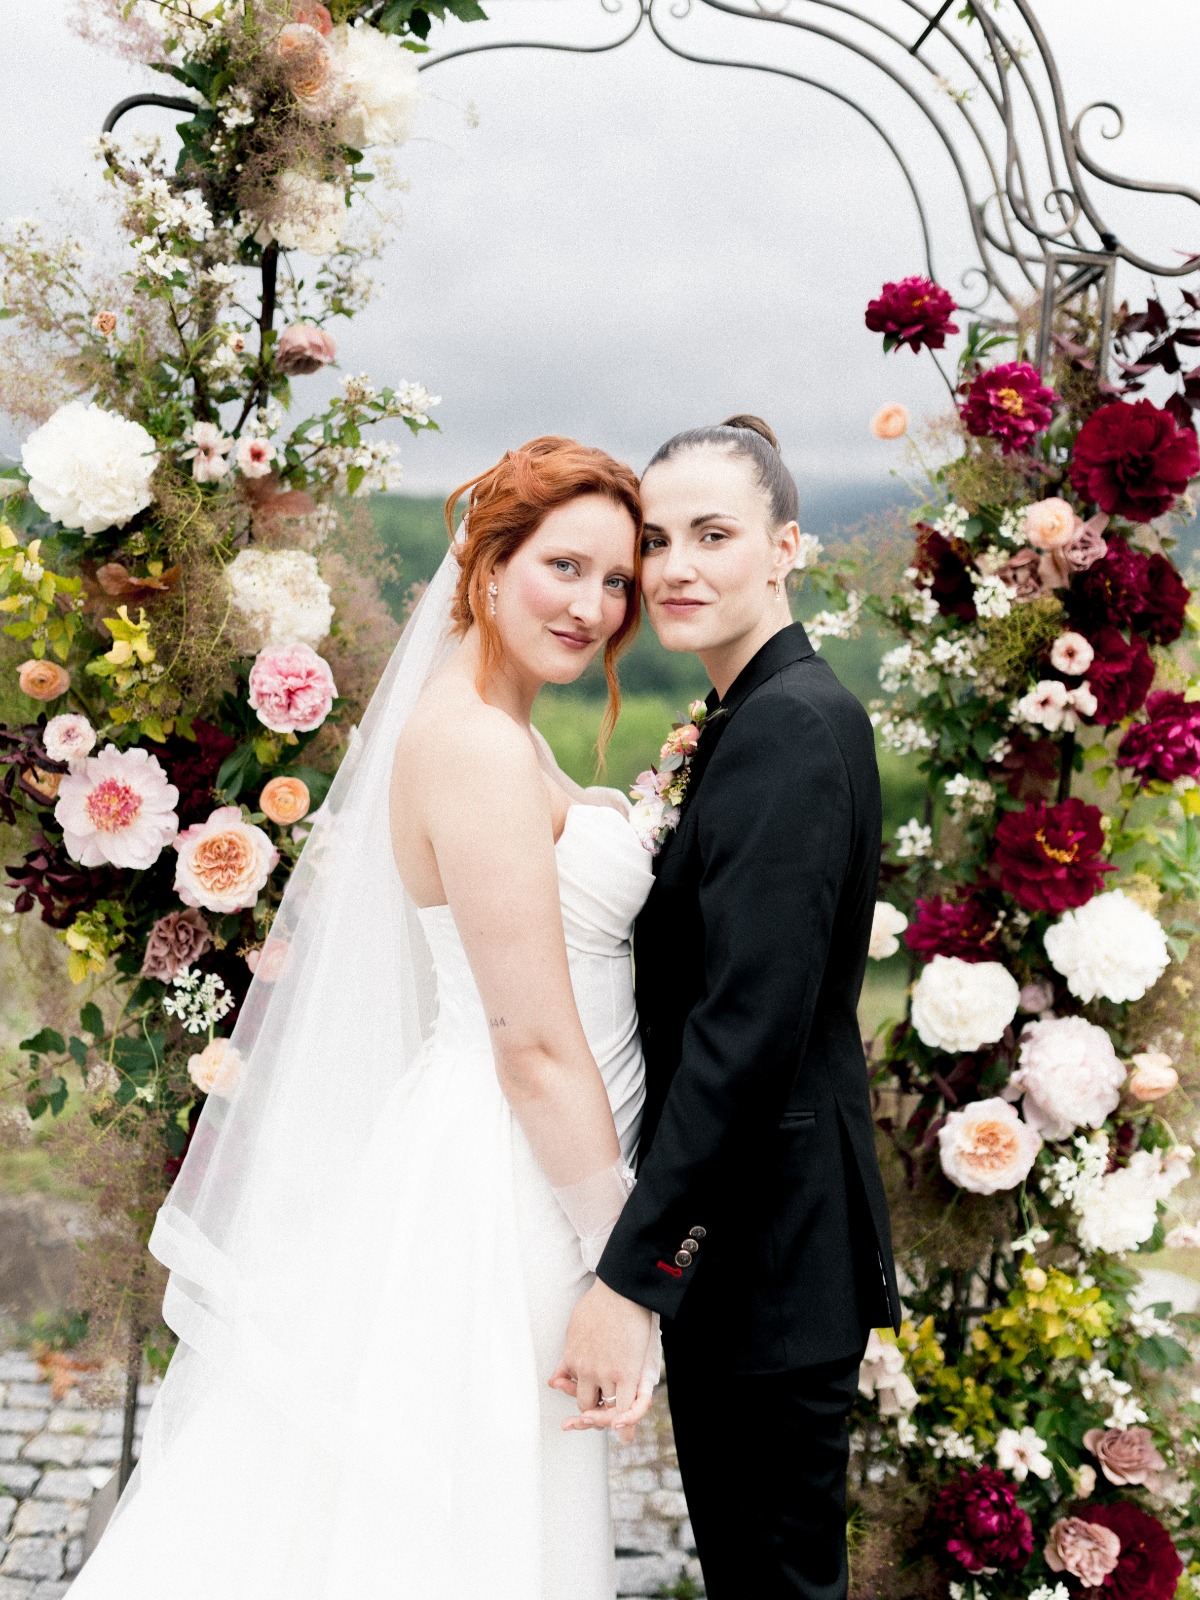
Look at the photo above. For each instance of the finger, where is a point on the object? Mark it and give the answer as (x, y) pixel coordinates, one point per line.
(636, 1410)
(564, 1379)
(588, 1391)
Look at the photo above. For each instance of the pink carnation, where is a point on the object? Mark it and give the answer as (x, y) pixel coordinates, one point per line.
(291, 688)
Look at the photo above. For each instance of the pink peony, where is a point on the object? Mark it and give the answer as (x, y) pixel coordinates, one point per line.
(223, 863)
(117, 807)
(1084, 1549)
(303, 348)
(1069, 1074)
(1010, 404)
(915, 312)
(291, 688)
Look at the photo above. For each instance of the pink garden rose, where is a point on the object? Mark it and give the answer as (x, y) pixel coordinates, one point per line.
(291, 688)
(1069, 1074)
(303, 348)
(117, 807)
(1086, 1550)
(224, 862)
(1126, 1455)
(68, 737)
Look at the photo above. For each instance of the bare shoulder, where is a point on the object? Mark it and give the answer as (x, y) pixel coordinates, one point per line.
(453, 734)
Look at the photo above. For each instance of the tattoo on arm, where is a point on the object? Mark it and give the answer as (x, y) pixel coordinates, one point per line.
(496, 1022)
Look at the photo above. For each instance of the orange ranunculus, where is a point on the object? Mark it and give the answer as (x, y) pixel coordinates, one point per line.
(890, 421)
(43, 680)
(285, 800)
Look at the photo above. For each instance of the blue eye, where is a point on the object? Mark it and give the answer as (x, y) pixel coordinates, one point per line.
(561, 564)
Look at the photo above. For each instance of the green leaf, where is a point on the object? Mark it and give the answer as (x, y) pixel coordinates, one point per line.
(78, 1051)
(239, 771)
(57, 1096)
(316, 782)
(44, 1041)
(91, 1020)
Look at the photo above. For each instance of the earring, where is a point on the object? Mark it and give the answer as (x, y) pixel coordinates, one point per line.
(778, 587)
(493, 591)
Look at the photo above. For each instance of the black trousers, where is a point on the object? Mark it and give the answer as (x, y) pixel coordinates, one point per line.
(763, 1460)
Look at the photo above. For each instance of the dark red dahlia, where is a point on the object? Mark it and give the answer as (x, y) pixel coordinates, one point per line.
(961, 928)
(1009, 403)
(1133, 460)
(1114, 590)
(192, 766)
(1167, 745)
(943, 565)
(1149, 1567)
(915, 312)
(1120, 675)
(1164, 601)
(980, 1523)
(1048, 857)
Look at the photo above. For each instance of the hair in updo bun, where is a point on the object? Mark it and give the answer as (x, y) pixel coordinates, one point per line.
(504, 508)
(745, 435)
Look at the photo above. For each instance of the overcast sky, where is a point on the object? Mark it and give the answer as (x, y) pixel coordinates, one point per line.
(622, 245)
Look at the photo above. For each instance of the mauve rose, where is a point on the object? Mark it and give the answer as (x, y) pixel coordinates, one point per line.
(176, 941)
(1088, 1552)
(1126, 1455)
(1167, 745)
(1008, 403)
(1120, 676)
(1023, 572)
(980, 1522)
(1149, 1568)
(302, 348)
(1048, 856)
(1088, 546)
(43, 680)
(1036, 996)
(1133, 460)
(915, 312)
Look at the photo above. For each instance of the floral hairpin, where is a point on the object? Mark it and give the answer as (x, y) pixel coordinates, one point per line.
(659, 792)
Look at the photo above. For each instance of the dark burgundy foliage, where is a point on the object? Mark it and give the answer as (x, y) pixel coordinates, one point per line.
(49, 878)
(1169, 338)
(193, 767)
(1009, 403)
(1133, 460)
(21, 751)
(1048, 857)
(1167, 745)
(979, 1523)
(961, 928)
(1149, 1567)
(915, 312)
(943, 564)
(1120, 676)
(1030, 766)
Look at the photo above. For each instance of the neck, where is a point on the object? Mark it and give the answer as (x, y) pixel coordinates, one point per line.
(504, 687)
(725, 661)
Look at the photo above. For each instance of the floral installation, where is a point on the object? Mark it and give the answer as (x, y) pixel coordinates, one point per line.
(659, 792)
(190, 614)
(1036, 1101)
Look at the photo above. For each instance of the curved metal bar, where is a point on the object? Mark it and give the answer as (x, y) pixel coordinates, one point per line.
(535, 44)
(1141, 185)
(173, 102)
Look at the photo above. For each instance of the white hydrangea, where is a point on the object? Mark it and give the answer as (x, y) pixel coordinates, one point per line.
(905, 664)
(961, 1005)
(280, 596)
(307, 213)
(380, 80)
(1110, 947)
(887, 924)
(969, 797)
(1100, 1386)
(90, 468)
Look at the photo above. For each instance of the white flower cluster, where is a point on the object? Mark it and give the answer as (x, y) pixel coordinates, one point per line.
(1068, 1176)
(1051, 705)
(917, 598)
(1101, 1386)
(956, 657)
(1110, 947)
(1149, 1325)
(1022, 1451)
(914, 840)
(952, 524)
(224, 355)
(1045, 1592)
(1115, 1211)
(307, 213)
(165, 219)
(906, 664)
(969, 797)
(993, 597)
(280, 597)
(948, 1445)
(808, 552)
(414, 400)
(377, 461)
(836, 624)
(905, 735)
(234, 108)
(198, 1002)
(1012, 527)
(90, 468)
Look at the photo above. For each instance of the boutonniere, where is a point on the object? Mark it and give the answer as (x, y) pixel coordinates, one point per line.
(658, 793)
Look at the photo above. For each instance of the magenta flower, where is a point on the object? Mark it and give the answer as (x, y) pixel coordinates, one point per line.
(1009, 403)
(1120, 674)
(979, 1523)
(961, 928)
(915, 312)
(1167, 745)
(291, 688)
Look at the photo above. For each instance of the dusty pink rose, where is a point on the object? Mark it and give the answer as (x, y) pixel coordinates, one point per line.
(1087, 1550)
(303, 349)
(1126, 1455)
(291, 688)
(68, 737)
(1050, 524)
(1037, 995)
(1087, 546)
(267, 962)
(224, 862)
(1023, 572)
(682, 742)
(1153, 1076)
(1071, 654)
(176, 941)
(43, 680)
(215, 1070)
(254, 457)
(890, 421)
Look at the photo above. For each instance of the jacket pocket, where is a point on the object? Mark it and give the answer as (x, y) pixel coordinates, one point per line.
(798, 1119)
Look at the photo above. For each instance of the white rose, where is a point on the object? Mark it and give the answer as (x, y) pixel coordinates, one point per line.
(89, 468)
(380, 78)
(307, 213)
(1069, 1074)
(1110, 947)
(886, 924)
(986, 1147)
(960, 1005)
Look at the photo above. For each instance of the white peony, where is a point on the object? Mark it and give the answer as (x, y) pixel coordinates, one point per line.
(1069, 1074)
(89, 468)
(381, 81)
(882, 1375)
(307, 213)
(280, 596)
(886, 926)
(1110, 947)
(986, 1147)
(1119, 1211)
(960, 1005)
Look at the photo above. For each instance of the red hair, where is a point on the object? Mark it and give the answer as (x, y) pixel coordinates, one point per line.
(506, 505)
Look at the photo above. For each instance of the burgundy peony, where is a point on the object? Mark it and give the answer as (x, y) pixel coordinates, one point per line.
(1048, 857)
(1167, 745)
(1133, 459)
(1149, 1568)
(961, 928)
(1114, 590)
(192, 766)
(915, 312)
(1164, 601)
(1009, 403)
(1120, 674)
(981, 1523)
(943, 565)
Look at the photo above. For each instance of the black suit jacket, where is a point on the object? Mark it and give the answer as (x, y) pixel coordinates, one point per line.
(759, 1225)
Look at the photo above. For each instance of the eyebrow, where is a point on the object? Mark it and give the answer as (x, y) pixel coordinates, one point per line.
(696, 522)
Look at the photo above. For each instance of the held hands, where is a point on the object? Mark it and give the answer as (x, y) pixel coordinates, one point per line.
(612, 1352)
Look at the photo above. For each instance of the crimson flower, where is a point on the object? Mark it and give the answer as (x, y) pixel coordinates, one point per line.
(915, 312)
(942, 564)
(1164, 601)
(1133, 459)
(192, 766)
(1114, 590)
(981, 1523)
(1009, 403)
(1048, 857)
(1149, 1567)
(1120, 674)
(1167, 745)
(961, 928)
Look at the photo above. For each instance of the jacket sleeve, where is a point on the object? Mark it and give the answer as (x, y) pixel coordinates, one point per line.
(775, 820)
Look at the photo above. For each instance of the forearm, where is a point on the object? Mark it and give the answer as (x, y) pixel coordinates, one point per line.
(561, 1104)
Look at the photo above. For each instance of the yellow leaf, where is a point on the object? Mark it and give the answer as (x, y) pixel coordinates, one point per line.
(78, 966)
(8, 538)
(1190, 801)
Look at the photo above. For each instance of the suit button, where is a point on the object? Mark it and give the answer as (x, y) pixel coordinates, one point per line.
(690, 1246)
(683, 1258)
(697, 1233)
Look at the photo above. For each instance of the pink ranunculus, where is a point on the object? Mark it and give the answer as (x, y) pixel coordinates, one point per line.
(890, 421)
(291, 688)
(1086, 1550)
(1070, 1076)
(303, 348)
(1036, 996)
(1010, 404)
(223, 863)
(42, 679)
(117, 807)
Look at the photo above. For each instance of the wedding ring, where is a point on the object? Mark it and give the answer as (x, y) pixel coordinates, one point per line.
(608, 1399)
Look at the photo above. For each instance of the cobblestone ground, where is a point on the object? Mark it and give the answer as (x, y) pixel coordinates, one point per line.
(56, 1455)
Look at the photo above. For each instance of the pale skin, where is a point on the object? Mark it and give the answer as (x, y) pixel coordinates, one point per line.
(559, 598)
(714, 579)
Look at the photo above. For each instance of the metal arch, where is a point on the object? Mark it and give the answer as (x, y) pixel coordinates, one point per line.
(173, 102)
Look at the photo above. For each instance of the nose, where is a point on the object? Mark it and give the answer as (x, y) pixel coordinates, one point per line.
(587, 604)
(678, 567)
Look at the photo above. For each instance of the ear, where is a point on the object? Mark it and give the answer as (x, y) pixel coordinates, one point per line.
(787, 548)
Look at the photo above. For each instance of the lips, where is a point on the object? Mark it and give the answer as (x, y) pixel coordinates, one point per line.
(573, 641)
(680, 607)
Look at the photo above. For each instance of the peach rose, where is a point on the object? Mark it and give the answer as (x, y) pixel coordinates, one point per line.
(215, 1070)
(223, 863)
(105, 323)
(1050, 524)
(307, 63)
(1153, 1076)
(890, 421)
(313, 15)
(1126, 1455)
(986, 1147)
(43, 680)
(1087, 1550)
(285, 800)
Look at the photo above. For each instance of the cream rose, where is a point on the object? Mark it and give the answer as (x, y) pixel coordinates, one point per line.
(216, 1069)
(986, 1147)
(223, 863)
(960, 1005)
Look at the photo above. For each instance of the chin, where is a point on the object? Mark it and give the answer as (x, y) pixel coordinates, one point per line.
(567, 666)
(679, 633)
